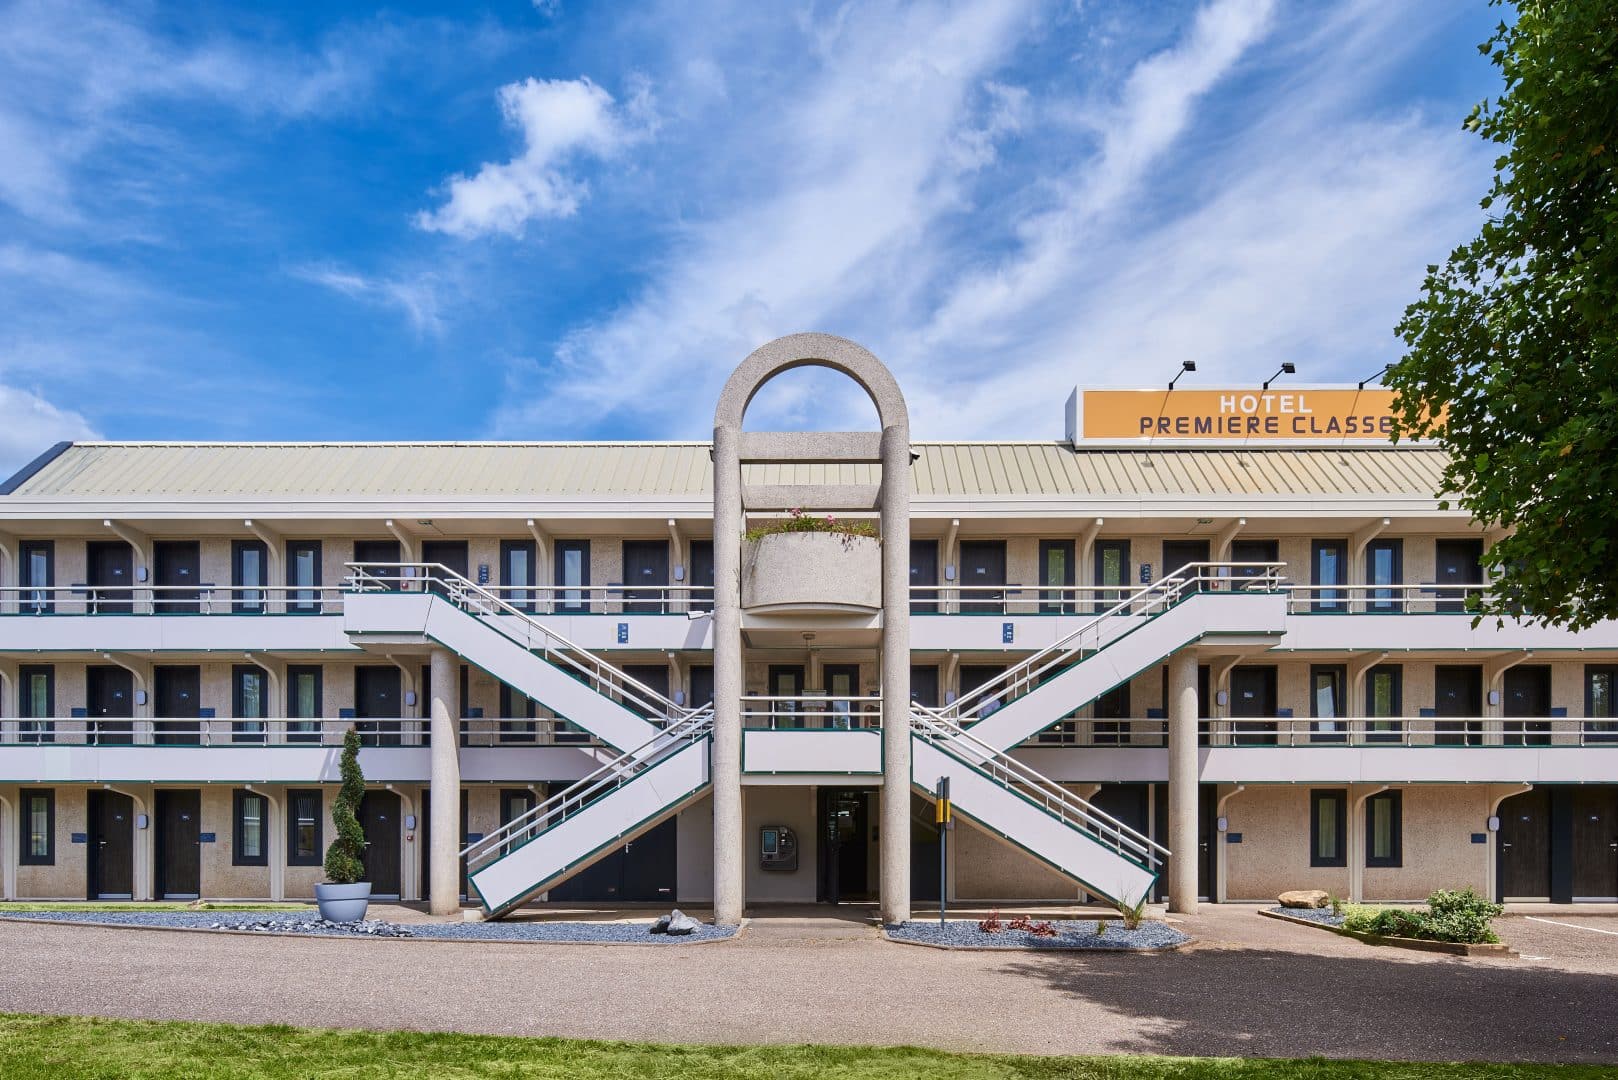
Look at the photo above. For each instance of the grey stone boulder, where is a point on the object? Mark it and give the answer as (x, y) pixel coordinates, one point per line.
(681, 924)
(1304, 898)
(661, 926)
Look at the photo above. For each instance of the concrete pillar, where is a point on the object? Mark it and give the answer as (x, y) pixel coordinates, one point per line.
(444, 861)
(895, 816)
(729, 869)
(1182, 710)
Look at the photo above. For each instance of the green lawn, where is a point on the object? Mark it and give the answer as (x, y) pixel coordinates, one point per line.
(129, 905)
(66, 1047)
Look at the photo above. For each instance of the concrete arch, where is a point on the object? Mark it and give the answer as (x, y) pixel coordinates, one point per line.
(813, 350)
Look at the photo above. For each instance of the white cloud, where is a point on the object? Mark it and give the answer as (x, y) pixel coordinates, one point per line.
(416, 297)
(561, 120)
(32, 426)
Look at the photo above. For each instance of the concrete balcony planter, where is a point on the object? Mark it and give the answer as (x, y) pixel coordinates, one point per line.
(812, 573)
(343, 903)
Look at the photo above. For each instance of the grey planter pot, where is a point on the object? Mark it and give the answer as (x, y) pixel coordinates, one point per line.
(343, 903)
(812, 573)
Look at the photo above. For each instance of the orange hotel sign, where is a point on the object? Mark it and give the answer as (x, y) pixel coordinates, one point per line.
(1332, 413)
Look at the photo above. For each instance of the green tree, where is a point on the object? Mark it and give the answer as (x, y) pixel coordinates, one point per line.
(1513, 345)
(345, 856)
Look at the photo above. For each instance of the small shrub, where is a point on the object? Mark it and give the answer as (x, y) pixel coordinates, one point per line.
(797, 521)
(1335, 902)
(1132, 914)
(1454, 915)
(1021, 922)
(1042, 929)
(1101, 927)
(992, 924)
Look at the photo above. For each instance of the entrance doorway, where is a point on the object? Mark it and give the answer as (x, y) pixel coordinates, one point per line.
(427, 843)
(179, 576)
(109, 698)
(111, 565)
(1252, 701)
(1524, 839)
(1459, 564)
(1528, 694)
(644, 870)
(111, 858)
(983, 576)
(844, 816)
(379, 819)
(786, 681)
(646, 575)
(1458, 702)
(378, 704)
(179, 699)
(1178, 554)
(1595, 843)
(179, 845)
(923, 849)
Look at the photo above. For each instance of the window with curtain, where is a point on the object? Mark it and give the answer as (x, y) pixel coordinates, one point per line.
(250, 848)
(1328, 824)
(1384, 844)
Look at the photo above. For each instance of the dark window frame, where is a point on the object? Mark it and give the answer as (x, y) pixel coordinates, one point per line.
(1393, 599)
(25, 853)
(1107, 595)
(292, 717)
(45, 602)
(1316, 797)
(520, 597)
(1335, 600)
(39, 729)
(522, 728)
(1064, 602)
(317, 855)
(1339, 719)
(240, 729)
(1609, 730)
(238, 823)
(1396, 833)
(1395, 731)
(242, 602)
(294, 603)
(559, 602)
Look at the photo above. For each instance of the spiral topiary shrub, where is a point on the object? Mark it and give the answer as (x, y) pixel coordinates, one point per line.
(345, 863)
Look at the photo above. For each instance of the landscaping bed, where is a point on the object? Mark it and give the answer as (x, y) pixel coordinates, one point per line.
(1069, 934)
(309, 923)
(1457, 922)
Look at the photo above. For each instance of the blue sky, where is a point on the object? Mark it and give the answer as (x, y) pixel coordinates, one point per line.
(559, 220)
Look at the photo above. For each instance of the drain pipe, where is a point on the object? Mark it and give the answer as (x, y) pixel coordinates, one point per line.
(1356, 840)
(1221, 888)
(1491, 860)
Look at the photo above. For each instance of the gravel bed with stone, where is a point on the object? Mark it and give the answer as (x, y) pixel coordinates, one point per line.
(296, 922)
(1323, 916)
(1070, 934)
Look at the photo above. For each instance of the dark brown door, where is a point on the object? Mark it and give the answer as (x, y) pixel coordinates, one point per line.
(379, 818)
(1595, 843)
(1207, 837)
(178, 705)
(641, 870)
(983, 576)
(1525, 846)
(924, 576)
(1182, 553)
(1458, 703)
(383, 552)
(1252, 704)
(179, 577)
(112, 576)
(1528, 694)
(974, 677)
(1459, 563)
(701, 686)
(111, 839)
(109, 699)
(1253, 551)
(378, 704)
(653, 677)
(924, 685)
(179, 844)
(447, 553)
(646, 573)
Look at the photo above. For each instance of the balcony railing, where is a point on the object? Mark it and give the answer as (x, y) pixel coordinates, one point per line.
(609, 599)
(203, 599)
(1423, 731)
(237, 732)
(1015, 599)
(812, 711)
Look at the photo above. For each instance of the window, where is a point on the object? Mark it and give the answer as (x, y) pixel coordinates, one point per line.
(1330, 558)
(303, 703)
(303, 827)
(248, 704)
(572, 575)
(1384, 703)
(1111, 572)
(518, 559)
(1384, 568)
(36, 703)
(37, 572)
(516, 715)
(1600, 709)
(1384, 844)
(1056, 574)
(1326, 703)
(514, 803)
(1328, 827)
(37, 842)
(303, 575)
(249, 574)
(249, 848)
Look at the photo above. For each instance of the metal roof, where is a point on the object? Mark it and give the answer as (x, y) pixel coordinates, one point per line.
(90, 472)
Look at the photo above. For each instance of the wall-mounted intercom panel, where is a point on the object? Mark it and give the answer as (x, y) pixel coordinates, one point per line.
(777, 848)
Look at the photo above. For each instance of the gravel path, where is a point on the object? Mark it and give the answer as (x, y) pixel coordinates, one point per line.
(1323, 916)
(1070, 934)
(294, 922)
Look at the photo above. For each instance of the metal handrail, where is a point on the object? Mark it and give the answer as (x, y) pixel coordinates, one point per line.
(1424, 732)
(584, 792)
(803, 708)
(1009, 773)
(1160, 595)
(482, 603)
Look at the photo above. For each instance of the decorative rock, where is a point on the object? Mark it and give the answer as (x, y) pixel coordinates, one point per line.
(681, 924)
(1304, 898)
(661, 926)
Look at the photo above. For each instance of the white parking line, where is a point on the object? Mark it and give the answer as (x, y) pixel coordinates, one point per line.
(1570, 926)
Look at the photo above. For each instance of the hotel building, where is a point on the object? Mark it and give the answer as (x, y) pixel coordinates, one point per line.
(1176, 653)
